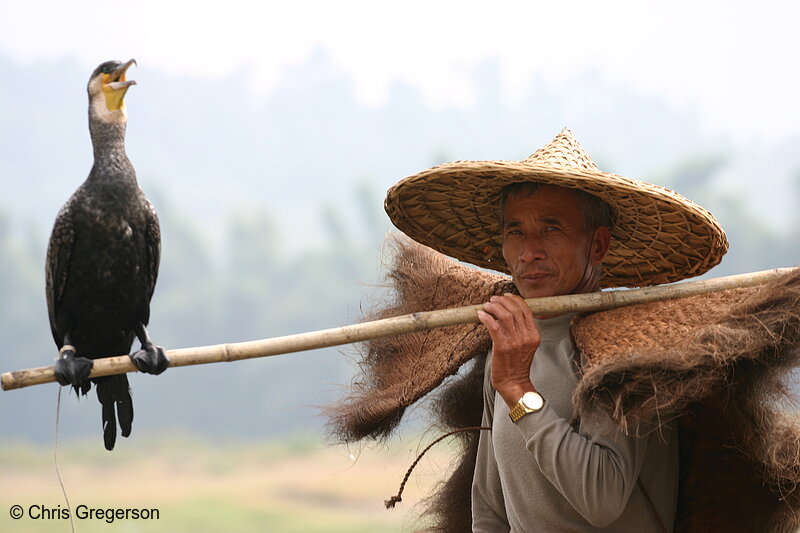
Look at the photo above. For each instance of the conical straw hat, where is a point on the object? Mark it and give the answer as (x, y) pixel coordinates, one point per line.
(658, 236)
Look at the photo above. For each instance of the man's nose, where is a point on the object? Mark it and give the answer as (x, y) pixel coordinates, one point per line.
(532, 250)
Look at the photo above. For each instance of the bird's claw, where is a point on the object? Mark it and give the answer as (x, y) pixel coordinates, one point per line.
(73, 370)
(151, 359)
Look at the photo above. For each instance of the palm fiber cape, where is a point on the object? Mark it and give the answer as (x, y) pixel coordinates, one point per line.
(718, 363)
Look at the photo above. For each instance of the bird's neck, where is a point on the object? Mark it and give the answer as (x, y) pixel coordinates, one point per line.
(108, 141)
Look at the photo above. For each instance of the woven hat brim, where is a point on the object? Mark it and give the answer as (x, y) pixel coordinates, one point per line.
(658, 236)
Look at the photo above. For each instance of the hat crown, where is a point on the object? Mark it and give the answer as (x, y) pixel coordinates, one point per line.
(564, 152)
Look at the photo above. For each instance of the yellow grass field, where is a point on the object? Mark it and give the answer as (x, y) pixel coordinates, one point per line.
(291, 486)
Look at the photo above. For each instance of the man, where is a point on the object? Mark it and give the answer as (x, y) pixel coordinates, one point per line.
(564, 227)
(537, 472)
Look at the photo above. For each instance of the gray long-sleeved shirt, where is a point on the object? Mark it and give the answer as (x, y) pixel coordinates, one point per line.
(543, 475)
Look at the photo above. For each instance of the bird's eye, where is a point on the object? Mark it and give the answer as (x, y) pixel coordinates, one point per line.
(106, 69)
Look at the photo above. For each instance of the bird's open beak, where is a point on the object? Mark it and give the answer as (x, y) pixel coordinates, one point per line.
(115, 85)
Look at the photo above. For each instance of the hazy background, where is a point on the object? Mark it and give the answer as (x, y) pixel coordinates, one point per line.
(267, 133)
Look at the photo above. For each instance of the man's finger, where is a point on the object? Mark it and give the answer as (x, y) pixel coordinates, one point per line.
(512, 311)
(507, 324)
(487, 320)
(527, 314)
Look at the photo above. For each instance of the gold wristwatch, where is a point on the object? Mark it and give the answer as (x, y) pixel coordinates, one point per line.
(529, 403)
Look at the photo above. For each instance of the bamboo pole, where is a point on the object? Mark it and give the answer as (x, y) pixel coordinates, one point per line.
(555, 305)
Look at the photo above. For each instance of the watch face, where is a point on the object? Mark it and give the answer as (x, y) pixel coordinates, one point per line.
(533, 400)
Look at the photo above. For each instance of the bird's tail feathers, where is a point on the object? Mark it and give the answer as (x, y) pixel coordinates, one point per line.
(115, 396)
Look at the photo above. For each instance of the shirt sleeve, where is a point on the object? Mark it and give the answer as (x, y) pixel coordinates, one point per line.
(595, 468)
(488, 506)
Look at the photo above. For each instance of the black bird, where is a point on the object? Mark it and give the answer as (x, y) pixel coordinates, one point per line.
(102, 261)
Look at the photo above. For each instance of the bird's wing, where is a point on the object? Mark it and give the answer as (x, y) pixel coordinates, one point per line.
(153, 241)
(59, 254)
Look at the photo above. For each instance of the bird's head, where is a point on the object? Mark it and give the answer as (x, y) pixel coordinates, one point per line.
(107, 87)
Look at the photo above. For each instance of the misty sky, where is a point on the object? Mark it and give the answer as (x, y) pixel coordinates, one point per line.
(733, 61)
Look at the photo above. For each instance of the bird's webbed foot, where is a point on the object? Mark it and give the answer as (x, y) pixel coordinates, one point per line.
(73, 370)
(151, 359)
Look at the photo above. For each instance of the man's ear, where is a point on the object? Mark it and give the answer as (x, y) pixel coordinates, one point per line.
(600, 244)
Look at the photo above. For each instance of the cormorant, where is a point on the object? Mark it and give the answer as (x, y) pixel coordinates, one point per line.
(102, 261)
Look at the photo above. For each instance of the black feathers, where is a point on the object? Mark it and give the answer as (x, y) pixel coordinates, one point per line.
(102, 262)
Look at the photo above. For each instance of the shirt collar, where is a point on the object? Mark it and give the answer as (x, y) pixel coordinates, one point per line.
(555, 328)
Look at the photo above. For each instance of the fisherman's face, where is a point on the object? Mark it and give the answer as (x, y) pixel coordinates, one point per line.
(546, 244)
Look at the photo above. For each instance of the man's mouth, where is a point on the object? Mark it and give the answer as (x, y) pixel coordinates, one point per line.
(534, 277)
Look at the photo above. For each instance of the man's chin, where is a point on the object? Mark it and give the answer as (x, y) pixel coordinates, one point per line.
(535, 289)
(537, 294)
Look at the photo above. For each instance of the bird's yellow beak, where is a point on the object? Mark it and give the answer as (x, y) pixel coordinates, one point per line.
(115, 85)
